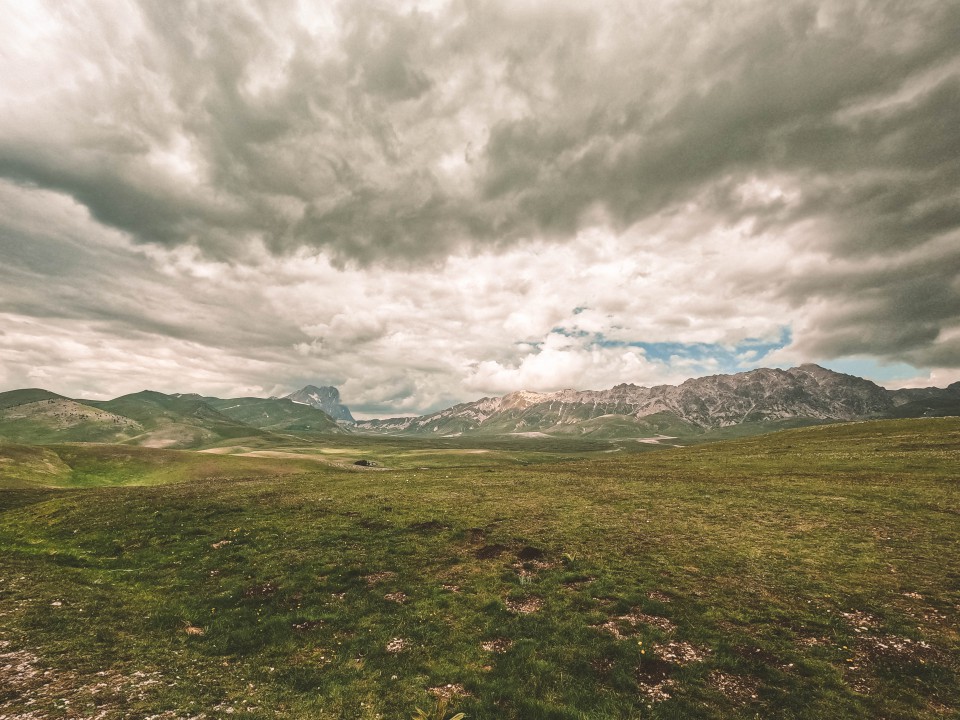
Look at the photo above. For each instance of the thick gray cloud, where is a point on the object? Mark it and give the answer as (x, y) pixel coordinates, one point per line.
(165, 167)
(338, 138)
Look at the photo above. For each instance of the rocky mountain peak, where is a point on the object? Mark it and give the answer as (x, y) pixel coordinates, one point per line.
(522, 399)
(325, 398)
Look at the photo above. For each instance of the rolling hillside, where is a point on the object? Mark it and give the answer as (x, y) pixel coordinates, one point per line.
(39, 416)
(275, 414)
(800, 575)
(89, 465)
(175, 421)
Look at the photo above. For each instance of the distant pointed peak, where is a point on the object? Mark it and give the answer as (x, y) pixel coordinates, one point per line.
(329, 390)
(812, 367)
(325, 398)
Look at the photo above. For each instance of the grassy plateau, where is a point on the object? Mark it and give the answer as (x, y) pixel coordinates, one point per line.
(810, 573)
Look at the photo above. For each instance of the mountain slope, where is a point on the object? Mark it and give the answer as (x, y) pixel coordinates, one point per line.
(175, 421)
(326, 399)
(39, 416)
(13, 398)
(275, 414)
(753, 401)
(927, 402)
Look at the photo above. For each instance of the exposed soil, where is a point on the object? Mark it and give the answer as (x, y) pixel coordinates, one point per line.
(449, 691)
(489, 552)
(379, 577)
(500, 645)
(525, 606)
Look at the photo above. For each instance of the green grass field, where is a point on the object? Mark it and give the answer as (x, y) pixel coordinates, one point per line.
(812, 573)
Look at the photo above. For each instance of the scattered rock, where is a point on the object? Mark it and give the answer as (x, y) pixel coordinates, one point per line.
(397, 597)
(263, 590)
(500, 645)
(307, 625)
(653, 678)
(525, 606)
(378, 577)
(813, 641)
(220, 544)
(681, 653)
(860, 621)
(397, 645)
(449, 691)
(602, 665)
(659, 596)
(366, 463)
(735, 687)
(638, 618)
(624, 625)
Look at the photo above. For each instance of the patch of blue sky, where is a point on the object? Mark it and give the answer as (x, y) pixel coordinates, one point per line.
(873, 369)
(706, 357)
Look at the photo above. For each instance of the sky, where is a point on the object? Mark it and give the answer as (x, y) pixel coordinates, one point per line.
(428, 202)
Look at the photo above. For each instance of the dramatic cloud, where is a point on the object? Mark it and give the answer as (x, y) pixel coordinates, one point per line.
(426, 201)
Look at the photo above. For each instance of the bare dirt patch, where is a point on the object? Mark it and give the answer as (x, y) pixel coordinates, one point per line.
(379, 577)
(262, 590)
(449, 691)
(681, 653)
(29, 691)
(524, 606)
(397, 645)
(489, 552)
(529, 553)
(638, 618)
(654, 681)
(624, 626)
(305, 625)
(500, 645)
(398, 597)
(735, 687)
(476, 535)
(860, 621)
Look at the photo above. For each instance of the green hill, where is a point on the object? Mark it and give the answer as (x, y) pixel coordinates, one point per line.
(12, 398)
(176, 421)
(275, 414)
(807, 574)
(39, 416)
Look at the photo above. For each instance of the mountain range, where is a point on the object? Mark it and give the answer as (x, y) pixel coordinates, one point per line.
(701, 408)
(153, 419)
(754, 401)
